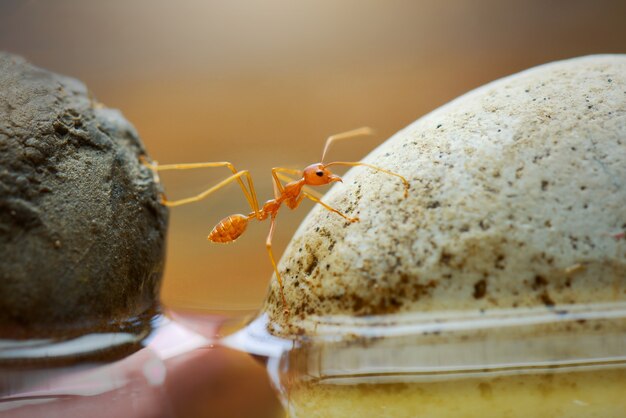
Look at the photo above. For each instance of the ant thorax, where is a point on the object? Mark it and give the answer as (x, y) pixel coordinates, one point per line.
(292, 190)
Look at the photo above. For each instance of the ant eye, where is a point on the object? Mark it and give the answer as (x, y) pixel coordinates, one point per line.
(319, 173)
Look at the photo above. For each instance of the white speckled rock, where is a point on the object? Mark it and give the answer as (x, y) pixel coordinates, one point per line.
(516, 190)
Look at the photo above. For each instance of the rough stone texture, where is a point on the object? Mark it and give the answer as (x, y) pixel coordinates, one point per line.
(516, 190)
(82, 235)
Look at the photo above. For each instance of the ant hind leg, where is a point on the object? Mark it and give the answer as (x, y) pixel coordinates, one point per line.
(206, 193)
(249, 192)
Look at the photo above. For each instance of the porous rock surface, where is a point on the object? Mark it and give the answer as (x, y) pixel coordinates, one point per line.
(517, 189)
(82, 234)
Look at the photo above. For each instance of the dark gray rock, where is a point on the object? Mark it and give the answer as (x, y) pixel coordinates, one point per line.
(82, 234)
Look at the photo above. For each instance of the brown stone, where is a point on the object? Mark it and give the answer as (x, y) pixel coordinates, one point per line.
(82, 234)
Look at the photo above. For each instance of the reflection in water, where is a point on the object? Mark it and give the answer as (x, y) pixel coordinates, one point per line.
(540, 362)
(117, 339)
(541, 394)
(179, 372)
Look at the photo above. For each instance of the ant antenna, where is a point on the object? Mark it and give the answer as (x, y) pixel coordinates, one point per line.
(346, 135)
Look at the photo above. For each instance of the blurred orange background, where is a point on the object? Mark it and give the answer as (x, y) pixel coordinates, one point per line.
(263, 83)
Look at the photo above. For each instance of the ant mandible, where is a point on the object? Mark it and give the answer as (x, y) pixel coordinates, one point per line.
(292, 194)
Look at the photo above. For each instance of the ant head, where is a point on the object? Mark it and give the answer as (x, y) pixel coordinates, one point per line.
(318, 175)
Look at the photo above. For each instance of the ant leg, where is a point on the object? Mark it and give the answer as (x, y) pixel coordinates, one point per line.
(346, 135)
(276, 174)
(190, 166)
(250, 194)
(268, 245)
(373, 167)
(143, 159)
(309, 190)
(316, 200)
(204, 194)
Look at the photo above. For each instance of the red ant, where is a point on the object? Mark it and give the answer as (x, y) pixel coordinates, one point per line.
(292, 193)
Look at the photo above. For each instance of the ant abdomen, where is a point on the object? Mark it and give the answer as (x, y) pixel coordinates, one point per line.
(229, 229)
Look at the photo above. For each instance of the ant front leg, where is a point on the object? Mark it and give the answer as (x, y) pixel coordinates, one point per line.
(373, 167)
(330, 208)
